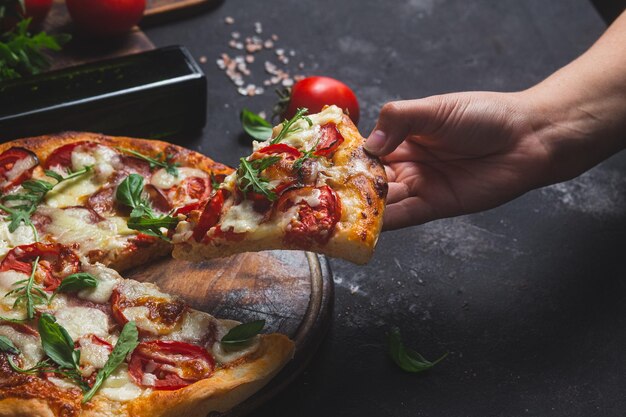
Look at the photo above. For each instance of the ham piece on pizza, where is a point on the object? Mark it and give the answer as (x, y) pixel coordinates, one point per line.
(310, 186)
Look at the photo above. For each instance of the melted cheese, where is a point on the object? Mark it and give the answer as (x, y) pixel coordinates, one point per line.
(107, 280)
(29, 345)
(104, 160)
(241, 218)
(8, 281)
(195, 327)
(19, 168)
(69, 228)
(92, 355)
(224, 355)
(23, 235)
(72, 192)
(81, 321)
(119, 386)
(164, 180)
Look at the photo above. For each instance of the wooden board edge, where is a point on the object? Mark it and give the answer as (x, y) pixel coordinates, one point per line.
(308, 338)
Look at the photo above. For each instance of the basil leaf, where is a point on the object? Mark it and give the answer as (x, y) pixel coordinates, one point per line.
(77, 282)
(129, 191)
(126, 343)
(7, 346)
(255, 125)
(408, 360)
(242, 333)
(56, 342)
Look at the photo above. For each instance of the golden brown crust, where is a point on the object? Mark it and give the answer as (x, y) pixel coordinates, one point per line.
(43, 146)
(360, 182)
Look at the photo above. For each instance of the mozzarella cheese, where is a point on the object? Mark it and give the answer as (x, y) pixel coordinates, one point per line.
(164, 180)
(195, 327)
(23, 235)
(107, 280)
(104, 160)
(119, 386)
(72, 192)
(241, 218)
(224, 355)
(29, 345)
(306, 136)
(82, 321)
(69, 227)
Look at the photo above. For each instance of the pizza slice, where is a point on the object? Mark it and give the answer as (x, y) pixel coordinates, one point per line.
(78, 340)
(63, 189)
(310, 186)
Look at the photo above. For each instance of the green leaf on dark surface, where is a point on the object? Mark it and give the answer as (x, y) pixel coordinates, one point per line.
(126, 343)
(408, 360)
(255, 125)
(243, 333)
(6, 345)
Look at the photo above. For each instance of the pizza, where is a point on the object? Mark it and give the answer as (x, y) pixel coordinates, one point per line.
(310, 186)
(77, 339)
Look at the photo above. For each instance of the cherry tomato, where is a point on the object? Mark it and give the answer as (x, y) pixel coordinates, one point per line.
(279, 148)
(330, 139)
(55, 262)
(38, 10)
(313, 224)
(210, 216)
(316, 92)
(62, 156)
(16, 166)
(169, 365)
(106, 17)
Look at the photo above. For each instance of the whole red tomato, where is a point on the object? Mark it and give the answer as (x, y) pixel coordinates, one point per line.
(317, 92)
(106, 17)
(37, 9)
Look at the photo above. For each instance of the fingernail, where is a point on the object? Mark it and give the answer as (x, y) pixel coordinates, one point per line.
(376, 141)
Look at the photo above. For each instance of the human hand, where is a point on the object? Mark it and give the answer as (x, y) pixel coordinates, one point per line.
(458, 153)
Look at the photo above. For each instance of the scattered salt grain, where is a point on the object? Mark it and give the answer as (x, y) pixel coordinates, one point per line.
(258, 28)
(229, 20)
(203, 59)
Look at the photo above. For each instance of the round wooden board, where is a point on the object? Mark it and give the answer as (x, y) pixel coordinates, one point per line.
(291, 290)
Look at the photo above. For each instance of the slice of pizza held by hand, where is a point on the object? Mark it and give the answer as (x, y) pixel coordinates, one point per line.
(310, 186)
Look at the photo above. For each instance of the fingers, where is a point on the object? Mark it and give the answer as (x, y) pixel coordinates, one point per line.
(399, 119)
(408, 212)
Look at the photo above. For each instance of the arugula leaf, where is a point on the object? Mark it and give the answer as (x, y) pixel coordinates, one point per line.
(255, 125)
(288, 125)
(215, 184)
(243, 333)
(249, 176)
(57, 343)
(22, 53)
(28, 292)
(126, 343)
(310, 154)
(408, 360)
(170, 167)
(6, 345)
(76, 282)
(35, 192)
(142, 217)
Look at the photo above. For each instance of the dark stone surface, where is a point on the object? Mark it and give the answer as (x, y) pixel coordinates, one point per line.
(527, 298)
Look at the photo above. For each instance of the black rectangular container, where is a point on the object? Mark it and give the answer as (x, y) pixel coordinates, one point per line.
(150, 94)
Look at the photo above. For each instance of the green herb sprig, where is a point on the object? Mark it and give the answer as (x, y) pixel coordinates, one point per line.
(126, 343)
(142, 217)
(28, 292)
(408, 360)
(74, 283)
(242, 334)
(6, 345)
(24, 204)
(288, 127)
(249, 176)
(161, 162)
(255, 126)
(22, 53)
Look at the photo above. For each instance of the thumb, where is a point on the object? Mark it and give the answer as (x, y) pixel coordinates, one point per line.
(399, 119)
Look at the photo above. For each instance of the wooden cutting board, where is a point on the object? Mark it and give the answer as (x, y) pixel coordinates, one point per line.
(291, 290)
(82, 49)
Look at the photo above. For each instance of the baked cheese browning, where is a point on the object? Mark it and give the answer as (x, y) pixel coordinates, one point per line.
(311, 188)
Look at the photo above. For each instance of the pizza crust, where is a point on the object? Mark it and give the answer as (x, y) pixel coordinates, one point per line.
(362, 182)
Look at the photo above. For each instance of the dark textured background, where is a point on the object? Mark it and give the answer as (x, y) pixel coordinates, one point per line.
(527, 298)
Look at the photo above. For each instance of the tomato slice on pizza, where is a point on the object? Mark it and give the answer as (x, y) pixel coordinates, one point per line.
(310, 186)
